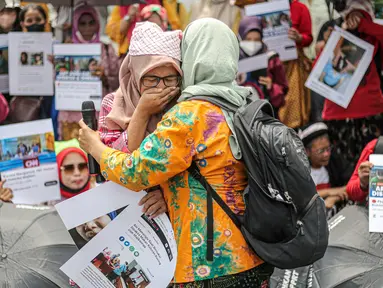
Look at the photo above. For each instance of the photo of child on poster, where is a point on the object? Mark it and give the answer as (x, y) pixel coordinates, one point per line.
(85, 232)
(342, 65)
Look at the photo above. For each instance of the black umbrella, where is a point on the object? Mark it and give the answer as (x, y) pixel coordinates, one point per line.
(34, 244)
(354, 257)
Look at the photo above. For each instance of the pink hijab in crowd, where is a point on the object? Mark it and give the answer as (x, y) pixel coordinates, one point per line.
(78, 13)
(150, 47)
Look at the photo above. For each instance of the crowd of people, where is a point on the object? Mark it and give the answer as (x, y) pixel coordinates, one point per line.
(153, 123)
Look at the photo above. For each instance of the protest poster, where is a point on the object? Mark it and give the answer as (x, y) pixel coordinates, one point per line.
(28, 162)
(255, 63)
(31, 73)
(81, 218)
(4, 79)
(276, 22)
(376, 194)
(341, 67)
(75, 82)
(130, 251)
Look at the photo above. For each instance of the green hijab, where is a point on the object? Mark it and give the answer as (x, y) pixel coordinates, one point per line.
(210, 54)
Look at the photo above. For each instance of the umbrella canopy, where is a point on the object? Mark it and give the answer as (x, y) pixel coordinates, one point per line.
(34, 244)
(354, 257)
(92, 2)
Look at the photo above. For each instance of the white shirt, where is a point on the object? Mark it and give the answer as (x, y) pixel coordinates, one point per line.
(320, 176)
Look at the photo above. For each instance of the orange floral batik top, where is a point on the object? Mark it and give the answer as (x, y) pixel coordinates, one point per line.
(191, 131)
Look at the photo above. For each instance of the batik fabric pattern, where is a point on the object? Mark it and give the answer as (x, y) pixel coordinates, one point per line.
(191, 131)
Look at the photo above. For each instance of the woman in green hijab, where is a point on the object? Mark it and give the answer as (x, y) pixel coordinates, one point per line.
(196, 131)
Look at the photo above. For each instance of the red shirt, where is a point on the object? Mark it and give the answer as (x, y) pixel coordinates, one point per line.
(301, 20)
(368, 98)
(355, 193)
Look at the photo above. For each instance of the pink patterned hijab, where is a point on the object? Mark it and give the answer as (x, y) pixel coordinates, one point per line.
(150, 47)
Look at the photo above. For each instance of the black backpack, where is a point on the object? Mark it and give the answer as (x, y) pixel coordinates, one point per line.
(285, 220)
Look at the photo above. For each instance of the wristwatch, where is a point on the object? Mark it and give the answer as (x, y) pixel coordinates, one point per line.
(127, 18)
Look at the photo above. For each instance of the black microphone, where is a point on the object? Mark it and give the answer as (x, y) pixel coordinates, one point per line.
(89, 116)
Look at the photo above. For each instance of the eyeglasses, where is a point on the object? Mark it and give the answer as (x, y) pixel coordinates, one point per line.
(322, 151)
(82, 167)
(153, 81)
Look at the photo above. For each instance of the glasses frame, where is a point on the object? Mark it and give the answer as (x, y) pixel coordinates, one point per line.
(159, 79)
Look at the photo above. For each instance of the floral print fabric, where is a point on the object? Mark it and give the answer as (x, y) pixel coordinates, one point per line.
(191, 131)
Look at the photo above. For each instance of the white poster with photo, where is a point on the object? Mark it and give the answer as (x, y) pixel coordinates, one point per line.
(130, 251)
(75, 67)
(341, 67)
(31, 72)
(375, 199)
(4, 78)
(276, 22)
(88, 213)
(28, 162)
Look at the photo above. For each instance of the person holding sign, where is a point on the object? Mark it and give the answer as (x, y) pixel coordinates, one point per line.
(86, 29)
(362, 120)
(195, 130)
(275, 82)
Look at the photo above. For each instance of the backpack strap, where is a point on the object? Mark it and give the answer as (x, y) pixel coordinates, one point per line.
(379, 146)
(211, 194)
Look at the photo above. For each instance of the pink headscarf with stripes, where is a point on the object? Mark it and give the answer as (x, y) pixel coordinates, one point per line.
(80, 11)
(149, 48)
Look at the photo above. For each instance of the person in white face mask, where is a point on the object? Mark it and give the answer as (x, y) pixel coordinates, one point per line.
(274, 85)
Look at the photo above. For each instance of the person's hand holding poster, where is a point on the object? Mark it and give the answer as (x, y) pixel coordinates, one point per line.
(28, 162)
(376, 194)
(78, 75)
(341, 67)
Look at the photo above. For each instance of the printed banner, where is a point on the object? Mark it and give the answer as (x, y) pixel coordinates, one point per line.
(28, 162)
(31, 73)
(341, 67)
(76, 81)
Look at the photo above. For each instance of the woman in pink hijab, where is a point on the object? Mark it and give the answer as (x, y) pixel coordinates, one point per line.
(150, 77)
(86, 30)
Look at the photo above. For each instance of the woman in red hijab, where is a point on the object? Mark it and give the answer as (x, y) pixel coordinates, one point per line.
(73, 172)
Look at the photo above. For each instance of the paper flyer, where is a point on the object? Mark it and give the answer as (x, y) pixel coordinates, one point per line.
(32, 73)
(375, 198)
(88, 213)
(276, 22)
(131, 251)
(341, 67)
(28, 162)
(4, 78)
(75, 65)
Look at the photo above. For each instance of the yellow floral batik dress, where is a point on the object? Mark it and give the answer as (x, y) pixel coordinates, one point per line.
(191, 131)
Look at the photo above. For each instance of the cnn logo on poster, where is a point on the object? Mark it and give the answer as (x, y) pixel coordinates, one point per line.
(31, 163)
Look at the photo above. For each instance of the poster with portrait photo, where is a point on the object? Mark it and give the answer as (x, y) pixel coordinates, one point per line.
(31, 73)
(77, 79)
(341, 67)
(4, 78)
(88, 213)
(276, 22)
